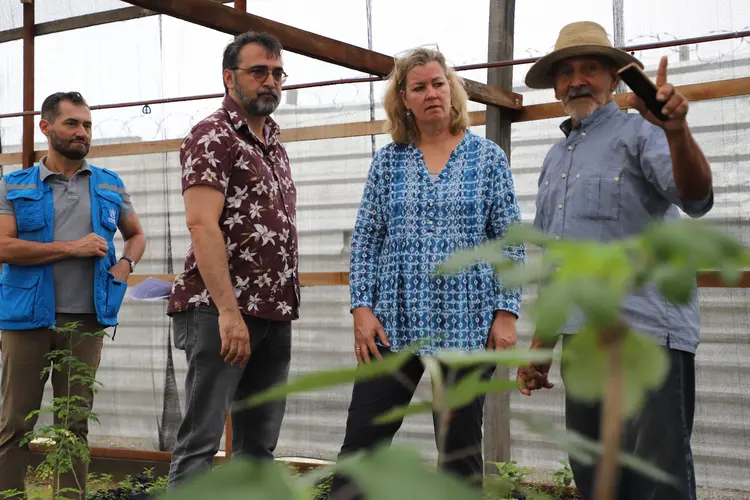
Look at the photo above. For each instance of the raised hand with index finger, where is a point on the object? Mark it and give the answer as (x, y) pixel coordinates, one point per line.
(675, 104)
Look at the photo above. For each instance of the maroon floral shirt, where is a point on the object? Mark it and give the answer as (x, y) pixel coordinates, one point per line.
(259, 217)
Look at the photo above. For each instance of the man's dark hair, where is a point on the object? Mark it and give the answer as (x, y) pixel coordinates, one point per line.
(51, 105)
(232, 51)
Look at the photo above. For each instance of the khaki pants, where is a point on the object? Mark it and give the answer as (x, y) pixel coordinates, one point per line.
(23, 354)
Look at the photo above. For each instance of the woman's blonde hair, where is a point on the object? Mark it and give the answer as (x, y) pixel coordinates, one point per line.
(401, 126)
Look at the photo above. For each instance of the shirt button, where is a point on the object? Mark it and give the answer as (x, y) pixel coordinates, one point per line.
(546, 182)
(570, 148)
(578, 176)
(430, 203)
(617, 179)
(564, 176)
(559, 206)
(583, 134)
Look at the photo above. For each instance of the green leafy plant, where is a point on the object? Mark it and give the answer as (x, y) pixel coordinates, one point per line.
(607, 361)
(511, 471)
(564, 475)
(62, 447)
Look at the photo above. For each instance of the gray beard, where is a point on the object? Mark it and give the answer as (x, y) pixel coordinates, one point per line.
(258, 106)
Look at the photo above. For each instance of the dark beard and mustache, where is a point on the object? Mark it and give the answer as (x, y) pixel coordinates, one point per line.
(259, 106)
(69, 150)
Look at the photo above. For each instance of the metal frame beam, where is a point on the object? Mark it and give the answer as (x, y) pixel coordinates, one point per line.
(211, 15)
(84, 21)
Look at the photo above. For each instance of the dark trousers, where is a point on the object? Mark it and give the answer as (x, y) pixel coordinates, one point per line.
(24, 358)
(462, 449)
(212, 386)
(659, 433)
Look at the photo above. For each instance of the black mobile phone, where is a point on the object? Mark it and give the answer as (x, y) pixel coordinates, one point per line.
(643, 87)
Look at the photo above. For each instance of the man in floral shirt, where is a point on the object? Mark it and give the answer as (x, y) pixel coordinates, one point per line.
(234, 303)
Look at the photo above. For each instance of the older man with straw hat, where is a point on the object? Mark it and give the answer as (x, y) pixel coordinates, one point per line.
(612, 174)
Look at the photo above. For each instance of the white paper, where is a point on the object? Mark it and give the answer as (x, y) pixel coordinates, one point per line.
(151, 289)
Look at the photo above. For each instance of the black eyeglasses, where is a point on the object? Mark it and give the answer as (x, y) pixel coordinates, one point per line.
(260, 73)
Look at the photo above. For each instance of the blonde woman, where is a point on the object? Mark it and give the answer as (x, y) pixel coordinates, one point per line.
(437, 188)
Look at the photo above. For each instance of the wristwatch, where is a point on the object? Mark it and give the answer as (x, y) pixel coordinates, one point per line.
(130, 261)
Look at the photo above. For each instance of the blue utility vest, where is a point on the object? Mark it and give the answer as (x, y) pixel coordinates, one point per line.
(27, 295)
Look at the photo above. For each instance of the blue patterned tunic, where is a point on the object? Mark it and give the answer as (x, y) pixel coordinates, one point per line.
(407, 224)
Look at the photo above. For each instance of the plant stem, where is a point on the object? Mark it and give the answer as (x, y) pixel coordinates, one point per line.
(610, 423)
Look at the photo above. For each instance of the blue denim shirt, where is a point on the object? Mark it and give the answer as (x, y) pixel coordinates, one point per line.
(606, 181)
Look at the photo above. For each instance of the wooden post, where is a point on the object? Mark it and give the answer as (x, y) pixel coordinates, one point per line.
(28, 82)
(228, 436)
(500, 47)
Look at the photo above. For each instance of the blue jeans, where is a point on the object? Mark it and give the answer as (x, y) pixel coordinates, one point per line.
(659, 433)
(212, 387)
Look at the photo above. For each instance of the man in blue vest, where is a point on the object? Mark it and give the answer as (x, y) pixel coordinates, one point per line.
(57, 225)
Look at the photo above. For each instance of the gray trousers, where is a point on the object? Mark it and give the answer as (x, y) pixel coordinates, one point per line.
(212, 387)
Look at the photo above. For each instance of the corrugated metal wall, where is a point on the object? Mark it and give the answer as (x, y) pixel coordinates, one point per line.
(330, 176)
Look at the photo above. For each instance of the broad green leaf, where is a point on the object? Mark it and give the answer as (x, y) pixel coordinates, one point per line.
(436, 379)
(598, 300)
(730, 273)
(472, 386)
(552, 309)
(692, 242)
(498, 487)
(519, 234)
(585, 365)
(587, 451)
(400, 473)
(675, 283)
(507, 357)
(400, 412)
(731, 247)
(464, 391)
(532, 494)
(517, 275)
(239, 479)
(644, 366)
(330, 378)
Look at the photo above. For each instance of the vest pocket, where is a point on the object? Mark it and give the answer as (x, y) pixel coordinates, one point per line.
(29, 211)
(115, 294)
(18, 295)
(109, 203)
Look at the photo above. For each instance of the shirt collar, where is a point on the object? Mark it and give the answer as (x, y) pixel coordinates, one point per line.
(44, 172)
(237, 117)
(593, 120)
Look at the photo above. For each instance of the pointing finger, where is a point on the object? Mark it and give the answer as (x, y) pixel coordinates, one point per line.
(661, 73)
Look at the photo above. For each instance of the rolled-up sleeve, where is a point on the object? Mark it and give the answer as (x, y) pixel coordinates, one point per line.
(127, 205)
(368, 236)
(504, 213)
(6, 206)
(656, 163)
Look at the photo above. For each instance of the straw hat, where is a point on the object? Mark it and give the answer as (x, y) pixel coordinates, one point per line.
(584, 38)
